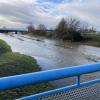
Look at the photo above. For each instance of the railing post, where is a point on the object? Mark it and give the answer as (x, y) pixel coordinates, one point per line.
(78, 80)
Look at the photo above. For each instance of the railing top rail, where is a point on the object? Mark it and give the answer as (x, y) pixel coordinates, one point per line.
(44, 76)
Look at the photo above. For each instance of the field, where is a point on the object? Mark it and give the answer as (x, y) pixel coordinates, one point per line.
(91, 39)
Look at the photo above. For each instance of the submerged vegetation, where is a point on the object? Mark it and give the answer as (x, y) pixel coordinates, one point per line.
(13, 64)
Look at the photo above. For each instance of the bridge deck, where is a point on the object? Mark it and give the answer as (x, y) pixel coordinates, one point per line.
(12, 30)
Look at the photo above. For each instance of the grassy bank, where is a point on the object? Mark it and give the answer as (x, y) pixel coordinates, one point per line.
(91, 39)
(13, 64)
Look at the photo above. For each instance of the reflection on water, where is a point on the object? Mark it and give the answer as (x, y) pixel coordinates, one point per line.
(52, 54)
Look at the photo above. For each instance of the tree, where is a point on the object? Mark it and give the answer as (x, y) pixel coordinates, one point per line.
(74, 28)
(61, 29)
(31, 28)
(84, 28)
(69, 29)
(41, 30)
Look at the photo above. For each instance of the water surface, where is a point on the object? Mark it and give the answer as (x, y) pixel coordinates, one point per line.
(52, 54)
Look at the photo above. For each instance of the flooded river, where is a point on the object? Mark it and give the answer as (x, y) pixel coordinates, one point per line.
(52, 54)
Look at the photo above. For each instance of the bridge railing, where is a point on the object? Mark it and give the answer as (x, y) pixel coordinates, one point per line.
(50, 75)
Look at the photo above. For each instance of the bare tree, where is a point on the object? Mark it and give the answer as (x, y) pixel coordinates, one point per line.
(84, 28)
(74, 29)
(31, 28)
(69, 29)
(41, 30)
(61, 29)
(73, 24)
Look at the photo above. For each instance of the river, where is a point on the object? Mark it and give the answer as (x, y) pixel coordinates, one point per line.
(52, 54)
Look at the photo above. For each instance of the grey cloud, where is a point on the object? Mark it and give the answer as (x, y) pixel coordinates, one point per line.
(22, 12)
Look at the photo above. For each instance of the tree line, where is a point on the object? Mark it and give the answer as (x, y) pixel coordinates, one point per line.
(67, 29)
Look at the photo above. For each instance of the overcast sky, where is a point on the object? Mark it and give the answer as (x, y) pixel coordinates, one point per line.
(19, 13)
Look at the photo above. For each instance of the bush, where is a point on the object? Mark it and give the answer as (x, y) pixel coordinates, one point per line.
(4, 47)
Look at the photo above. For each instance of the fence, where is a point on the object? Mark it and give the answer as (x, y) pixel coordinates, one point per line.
(89, 90)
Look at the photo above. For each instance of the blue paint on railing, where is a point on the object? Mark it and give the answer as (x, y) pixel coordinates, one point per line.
(50, 75)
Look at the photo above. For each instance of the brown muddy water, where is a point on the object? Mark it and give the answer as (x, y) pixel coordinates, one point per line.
(53, 54)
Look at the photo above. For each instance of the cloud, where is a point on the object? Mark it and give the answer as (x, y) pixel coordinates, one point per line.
(84, 9)
(19, 13)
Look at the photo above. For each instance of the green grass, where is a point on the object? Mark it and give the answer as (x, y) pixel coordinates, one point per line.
(15, 63)
(95, 37)
(92, 39)
(4, 47)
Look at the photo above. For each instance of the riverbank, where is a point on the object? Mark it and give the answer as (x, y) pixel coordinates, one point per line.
(88, 39)
(12, 63)
(91, 39)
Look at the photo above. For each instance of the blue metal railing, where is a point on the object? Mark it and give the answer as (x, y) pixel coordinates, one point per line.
(50, 75)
